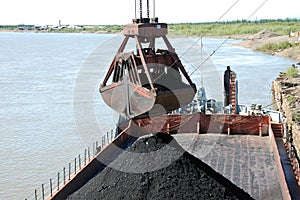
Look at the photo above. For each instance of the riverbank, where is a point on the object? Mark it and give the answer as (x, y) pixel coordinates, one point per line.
(287, 100)
(62, 31)
(269, 42)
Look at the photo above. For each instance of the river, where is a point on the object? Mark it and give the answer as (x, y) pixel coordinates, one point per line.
(50, 108)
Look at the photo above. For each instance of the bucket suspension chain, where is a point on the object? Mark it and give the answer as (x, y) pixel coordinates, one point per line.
(148, 11)
(141, 9)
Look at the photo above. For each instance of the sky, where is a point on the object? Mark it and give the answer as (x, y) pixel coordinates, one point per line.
(104, 12)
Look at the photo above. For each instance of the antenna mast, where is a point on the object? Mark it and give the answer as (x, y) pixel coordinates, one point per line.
(201, 59)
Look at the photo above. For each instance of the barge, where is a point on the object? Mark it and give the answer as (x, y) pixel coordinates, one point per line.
(247, 150)
(241, 147)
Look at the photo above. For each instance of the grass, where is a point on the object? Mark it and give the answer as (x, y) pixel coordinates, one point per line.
(291, 72)
(296, 116)
(281, 27)
(276, 46)
(291, 100)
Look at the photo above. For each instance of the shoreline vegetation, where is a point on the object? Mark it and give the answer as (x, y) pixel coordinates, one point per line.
(277, 37)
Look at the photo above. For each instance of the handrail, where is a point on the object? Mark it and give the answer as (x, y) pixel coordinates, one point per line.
(47, 190)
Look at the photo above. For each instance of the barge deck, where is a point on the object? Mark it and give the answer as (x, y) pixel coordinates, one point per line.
(246, 160)
(255, 161)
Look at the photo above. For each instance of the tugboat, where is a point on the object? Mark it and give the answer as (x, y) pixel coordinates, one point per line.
(150, 81)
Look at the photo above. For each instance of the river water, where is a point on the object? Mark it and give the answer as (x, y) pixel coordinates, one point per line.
(50, 108)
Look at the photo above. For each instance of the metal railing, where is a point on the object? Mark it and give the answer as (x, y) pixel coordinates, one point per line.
(63, 177)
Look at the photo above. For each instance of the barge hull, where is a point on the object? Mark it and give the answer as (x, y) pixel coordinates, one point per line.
(251, 159)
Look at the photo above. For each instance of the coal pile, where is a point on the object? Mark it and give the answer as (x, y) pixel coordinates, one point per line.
(185, 178)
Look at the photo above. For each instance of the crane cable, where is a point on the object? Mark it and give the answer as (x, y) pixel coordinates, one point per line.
(225, 13)
(201, 64)
(180, 57)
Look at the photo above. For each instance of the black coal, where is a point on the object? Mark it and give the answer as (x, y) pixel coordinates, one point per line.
(185, 178)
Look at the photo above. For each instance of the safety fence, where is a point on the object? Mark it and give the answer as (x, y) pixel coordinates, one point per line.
(47, 190)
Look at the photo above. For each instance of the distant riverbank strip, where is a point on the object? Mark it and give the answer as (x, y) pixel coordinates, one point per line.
(279, 40)
(279, 26)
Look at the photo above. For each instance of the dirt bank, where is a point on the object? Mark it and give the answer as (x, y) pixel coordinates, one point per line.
(267, 37)
(286, 93)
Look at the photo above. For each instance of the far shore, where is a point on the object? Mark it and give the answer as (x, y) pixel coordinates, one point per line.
(251, 41)
(58, 31)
